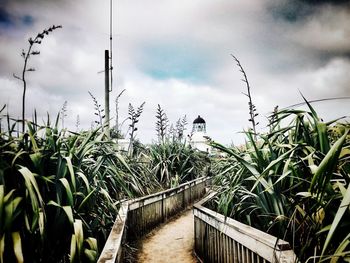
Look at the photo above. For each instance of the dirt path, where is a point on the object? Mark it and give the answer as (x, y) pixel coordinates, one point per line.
(173, 242)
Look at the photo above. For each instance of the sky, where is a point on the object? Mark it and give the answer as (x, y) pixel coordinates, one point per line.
(178, 54)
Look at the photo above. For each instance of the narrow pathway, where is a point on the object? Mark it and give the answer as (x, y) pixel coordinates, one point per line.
(171, 243)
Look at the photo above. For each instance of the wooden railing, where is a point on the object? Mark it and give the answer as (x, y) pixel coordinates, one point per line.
(112, 251)
(139, 216)
(148, 212)
(220, 239)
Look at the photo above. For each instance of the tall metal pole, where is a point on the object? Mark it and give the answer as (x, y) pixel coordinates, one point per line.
(107, 92)
(111, 43)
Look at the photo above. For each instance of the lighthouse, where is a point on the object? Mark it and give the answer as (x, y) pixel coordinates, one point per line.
(197, 138)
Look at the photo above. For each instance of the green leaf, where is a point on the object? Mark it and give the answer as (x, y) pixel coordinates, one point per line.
(71, 172)
(32, 187)
(17, 247)
(67, 209)
(2, 247)
(10, 212)
(8, 196)
(247, 164)
(92, 242)
(73, 249)
(36, 159)
(41, 224)
(86, 181)
(31, 132)
(66, 185)
(69, 212)
(344, 205)
(340, 249)
(91, 255)
(86, 199)
(314, 114)
(18, 154)
(79, 235)
(322, 137)
(327, 164)
(2, 194)
(344, 152)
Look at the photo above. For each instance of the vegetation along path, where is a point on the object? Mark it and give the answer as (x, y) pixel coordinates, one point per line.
(172, 242)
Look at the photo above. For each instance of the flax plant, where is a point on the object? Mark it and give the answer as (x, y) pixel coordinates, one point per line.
(292, 182)
(174, 162)
(59, 194)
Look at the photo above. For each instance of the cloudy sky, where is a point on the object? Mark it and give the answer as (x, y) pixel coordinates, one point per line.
(177, 54)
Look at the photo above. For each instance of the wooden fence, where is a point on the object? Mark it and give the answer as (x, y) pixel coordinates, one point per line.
(148, 212)
(112, 251)
(224, 240)
(139, 216)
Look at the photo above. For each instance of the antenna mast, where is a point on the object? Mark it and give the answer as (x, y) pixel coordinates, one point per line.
(111, 42)
(108, 70)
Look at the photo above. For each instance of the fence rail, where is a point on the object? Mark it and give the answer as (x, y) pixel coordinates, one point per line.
(220, 239)
(148, 212)
(112, 251)
(138, 217)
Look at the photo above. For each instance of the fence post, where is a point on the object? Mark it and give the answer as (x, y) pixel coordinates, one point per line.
(191, 193)
(183, 198)
(163, 213)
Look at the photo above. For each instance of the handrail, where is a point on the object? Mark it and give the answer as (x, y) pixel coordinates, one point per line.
(112, 251)
(154, 197)
(148, 212)
(138, 216)
(243, 243)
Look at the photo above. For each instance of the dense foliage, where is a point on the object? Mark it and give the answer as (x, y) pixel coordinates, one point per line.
(174, 162)
(293, 182)
(59, 191)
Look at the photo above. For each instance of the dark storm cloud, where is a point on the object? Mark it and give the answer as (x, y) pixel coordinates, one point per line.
(18, 12)
(300, 10)
(9, 20)
(322, 2)
(5, 18)
(319, 29)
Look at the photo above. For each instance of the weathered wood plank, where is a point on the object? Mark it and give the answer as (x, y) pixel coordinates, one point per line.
(139, 216)
(148, 212)
(112, 251)
(247, 244)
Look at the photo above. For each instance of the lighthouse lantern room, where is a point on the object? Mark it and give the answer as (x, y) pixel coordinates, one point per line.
(198, 140)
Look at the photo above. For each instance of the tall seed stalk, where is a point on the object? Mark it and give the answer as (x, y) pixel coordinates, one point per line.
(252, 108)
(117, 127)
(63, 113)
(162, 124)
(1, 118)
(77, 123)
(181, 127)
(26, 56)
(134, 116)
(98, 111)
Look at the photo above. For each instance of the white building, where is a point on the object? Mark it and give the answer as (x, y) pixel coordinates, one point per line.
(197, 137)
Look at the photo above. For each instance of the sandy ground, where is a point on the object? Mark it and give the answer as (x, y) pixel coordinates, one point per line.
(172, 242)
